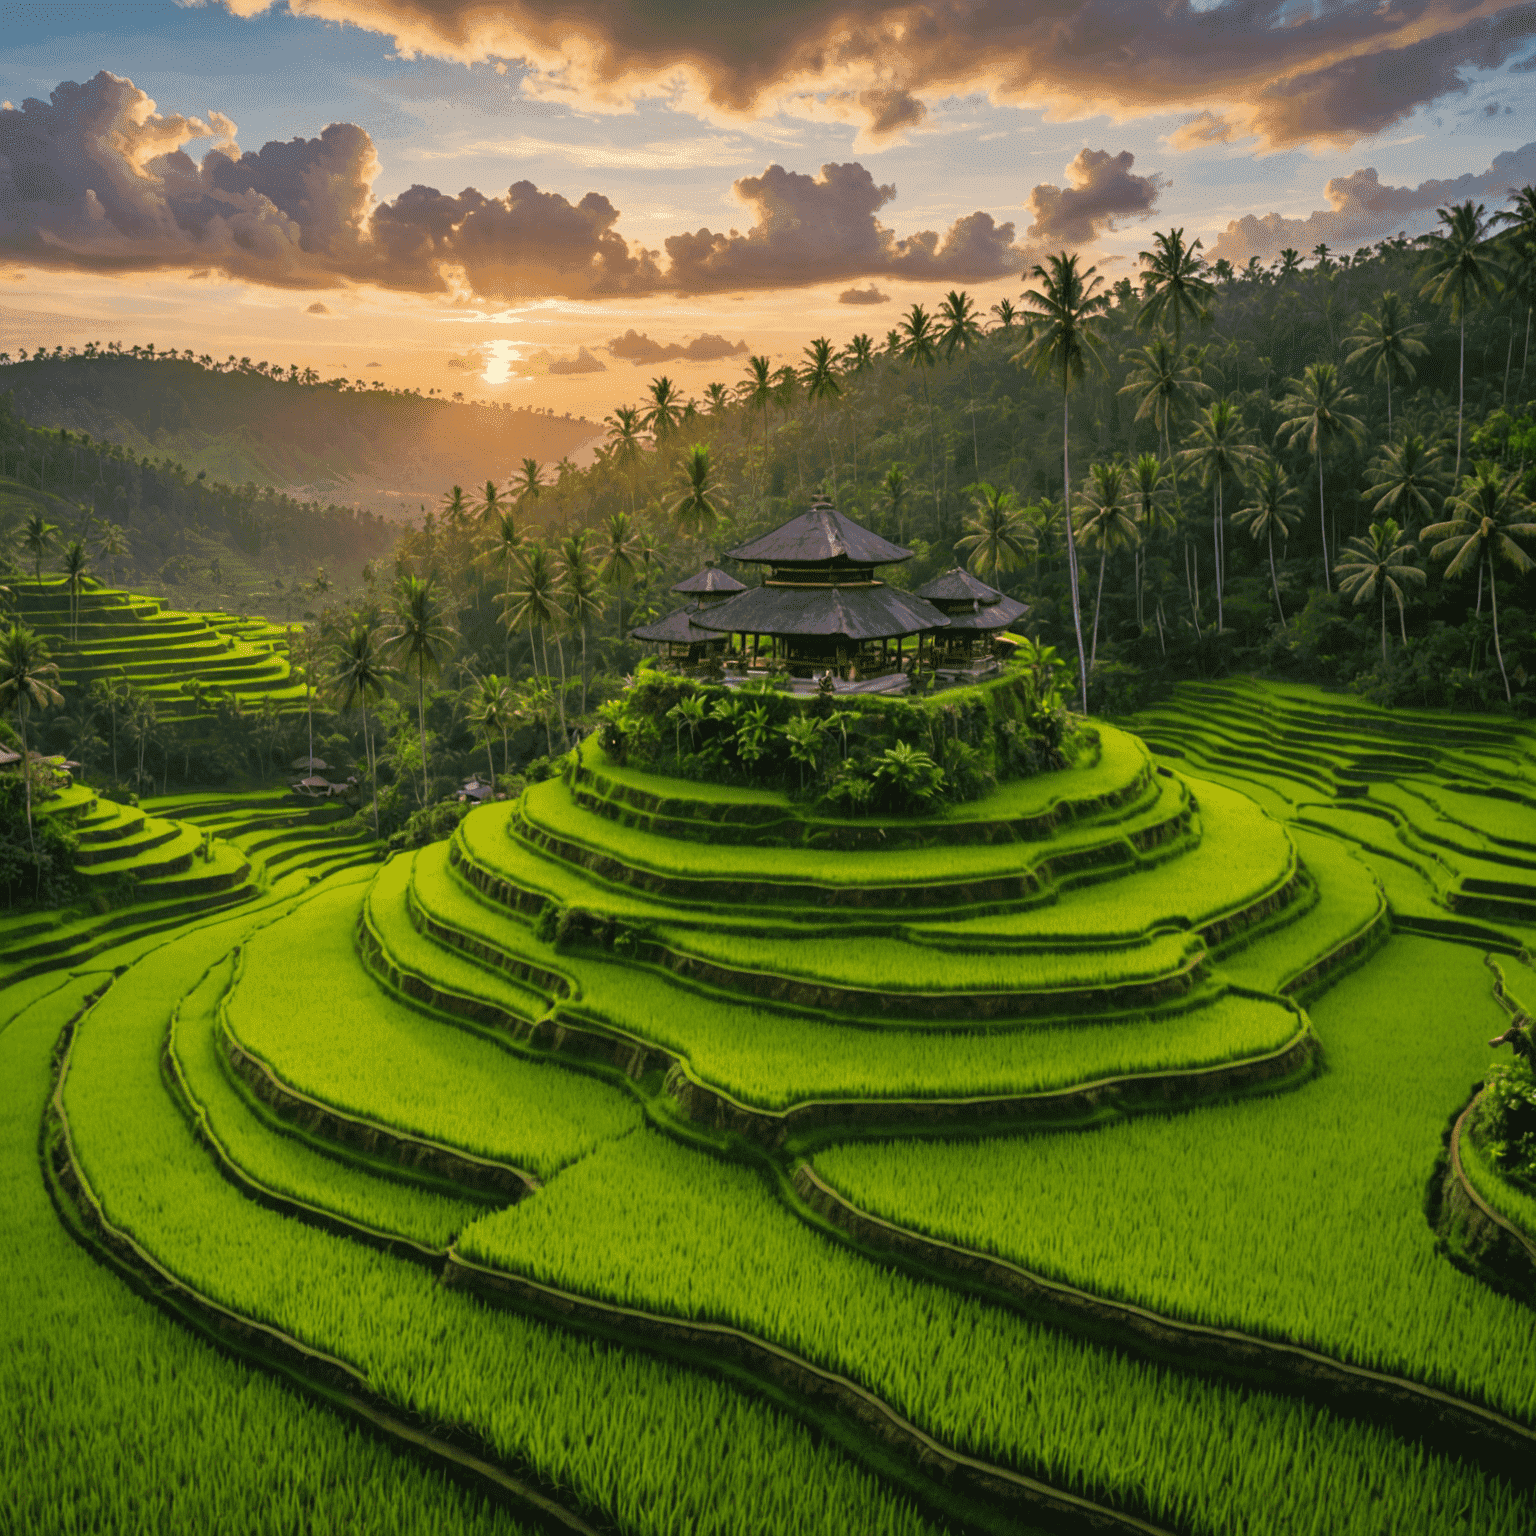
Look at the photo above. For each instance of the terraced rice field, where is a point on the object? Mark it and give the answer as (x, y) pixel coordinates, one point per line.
(692, 1165)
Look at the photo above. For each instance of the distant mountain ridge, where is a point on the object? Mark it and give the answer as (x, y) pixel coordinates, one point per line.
(293, 430)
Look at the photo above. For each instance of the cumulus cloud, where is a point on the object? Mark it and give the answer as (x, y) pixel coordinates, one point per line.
(98, 179)
(1362, 208)
(317, 308)
(582, 362)
(471, 362)
(870, 295)
(1322, 73)
(1101, 191)
(636, 347)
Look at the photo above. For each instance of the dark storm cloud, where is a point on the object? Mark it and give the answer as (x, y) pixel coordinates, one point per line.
(870, 295)
(636, 347)
(1362, 208)
(1321, 73)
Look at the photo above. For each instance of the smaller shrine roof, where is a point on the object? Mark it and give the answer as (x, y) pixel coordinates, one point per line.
(958, 585)
(676, 629)
(819, 537)
(998, 615)
(710, 579)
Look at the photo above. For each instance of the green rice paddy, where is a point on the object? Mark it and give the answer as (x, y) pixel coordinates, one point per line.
(1249, 968)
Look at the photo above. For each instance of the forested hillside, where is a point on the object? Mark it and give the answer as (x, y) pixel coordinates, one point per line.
(1220, 414)
(340, 439)
(195, 539)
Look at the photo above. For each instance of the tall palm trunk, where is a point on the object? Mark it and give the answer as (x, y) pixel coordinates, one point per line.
(1461, 391)
(1322, 512)
(970, 390)
(1498, 650)
(1093, 655)
(1077, 606)
(1221, 617)
(26, 775)
(1274, 580)
(565, 730)
(373, 777)
(421, 717)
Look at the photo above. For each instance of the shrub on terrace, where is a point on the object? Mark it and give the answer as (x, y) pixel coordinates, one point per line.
(50, 879)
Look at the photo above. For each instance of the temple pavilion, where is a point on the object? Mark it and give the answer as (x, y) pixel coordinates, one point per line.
(678, 636)
(822, 607)
(978, 616)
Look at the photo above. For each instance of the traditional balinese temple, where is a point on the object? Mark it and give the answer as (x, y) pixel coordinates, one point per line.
(978, 616)
(680, 639)
(821, 607)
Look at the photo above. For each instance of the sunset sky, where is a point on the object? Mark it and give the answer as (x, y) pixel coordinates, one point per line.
(475, 197)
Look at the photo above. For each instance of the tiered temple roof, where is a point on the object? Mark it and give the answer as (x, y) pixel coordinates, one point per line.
(970, 603)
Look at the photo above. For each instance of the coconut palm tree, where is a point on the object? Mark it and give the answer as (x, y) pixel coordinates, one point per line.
(1270, 509)
(1147, 476)
(114, 547)
(27, 679)
(665, 410)
(421, 637)
(534, 603)
(894, 488)
(759, 393)
(1064, 342)
(74, 574)
(1219, 451)
(38, 535)
(960, 330)
(490, 504)
(1462, 272)
(858, 359)
(1174, 285)
(1386, 343)
(920, 348)
(624, 440)
(1289, 264)
(1107, 523)
(1006, 314)
(492, 708)
(997, 534)
(1519, 243)
(503, 547)
(1380, 562)
(1488, 514)
(1319, 407)
(358, 670)
(1406, 479)
(819, 375)
(616, 558)
(579, 594)
(455, 507)
(698, 509)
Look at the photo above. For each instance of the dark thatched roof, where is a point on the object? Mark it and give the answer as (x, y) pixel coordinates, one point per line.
(676, 629)
(987, 616)
(818, 537)
(958, 585)
(710, 580)
(860, 612)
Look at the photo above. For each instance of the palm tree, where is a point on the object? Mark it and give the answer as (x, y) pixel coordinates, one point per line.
(1461, 272)
(698, 509)
(534, 602)
(894, 487)
(819, 375)
(858, 359)
(1166, 383)
(759, 388)
(1220, 451)
(357, 670)
(27, 678)
(616, 565)
(421, 637)
(960, 328)
(1520, 268)
(37, 536)
(1147, 476)
(919, 346)
(1269, 510)
(1107, 523)
(718, 397)
(1173, 284)
(578, 588)
(997, 534)
(1289, 263)
(624, 440)
(1381, 561)
(1319, 407)
(1064, 342)
(503, 547)
(1406, 479)
(1006, 314)
(665, 409)
(488, 507)
(528, 482)
(1487, 515)
(491, 709)
(74, 575)
(114, 547)
(1385, 342)
(455, 507)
